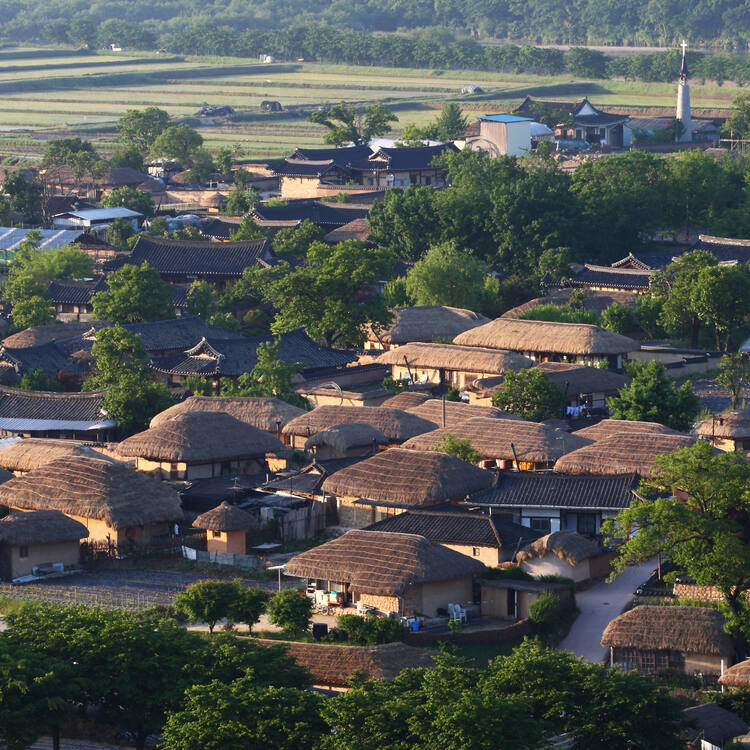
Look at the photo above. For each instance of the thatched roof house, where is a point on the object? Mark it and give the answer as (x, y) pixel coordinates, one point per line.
(38, 538)
(267, 414)
(200, 444)
(543, 340)
(450, 364)
(424, 323)
(395, 424)
(114, 502)
(406, 400)
(343, 440)
(331, 666)
(226, 528)
(31, 453)
(502, 441)
(737, 676)
(729, 431)
(562, 553)
(401, 479)
(684, 639)
(394, 572)
(609, 427)
(623, 453)
(457, 412)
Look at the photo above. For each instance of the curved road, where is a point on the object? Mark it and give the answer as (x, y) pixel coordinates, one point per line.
(598, 605)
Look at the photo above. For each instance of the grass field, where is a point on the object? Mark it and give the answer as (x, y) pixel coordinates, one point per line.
(48, 93)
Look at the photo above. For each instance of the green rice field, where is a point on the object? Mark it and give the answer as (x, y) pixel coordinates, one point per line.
(51, 93)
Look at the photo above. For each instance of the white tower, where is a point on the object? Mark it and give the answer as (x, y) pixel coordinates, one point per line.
(683, 101)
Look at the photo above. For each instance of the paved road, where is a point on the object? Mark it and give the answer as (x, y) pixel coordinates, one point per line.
(598, 605)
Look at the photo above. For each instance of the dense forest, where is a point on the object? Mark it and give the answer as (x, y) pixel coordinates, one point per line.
(724, 23)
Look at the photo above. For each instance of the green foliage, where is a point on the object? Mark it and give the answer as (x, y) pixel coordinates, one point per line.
(648, 310)
(290, 610)
(546, 613)
(202, 299)
(24, 195)
(530, 394)
(370, 631)
(560, 314)
(158, 227)
(224, 160)
(736, 700)
(240, 200)
(136, 294)
(618, 318)
(704, 531)
(653, 397)
(459, 448)
(178, 142)
(38, 380)
(141, 127)
(198, 385)
(127, 156)
(211, 601)
(294, 242)
(395, 294)
(135, 200)
(585, 62)
(734, 373)
(738, 125)
(397, 386)
(249, 229)
(119, 232)
(201, 165)
(345, 126)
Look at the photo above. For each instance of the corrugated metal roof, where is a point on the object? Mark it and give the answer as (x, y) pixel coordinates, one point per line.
(42, 425)
(103, 214)
(11, 237)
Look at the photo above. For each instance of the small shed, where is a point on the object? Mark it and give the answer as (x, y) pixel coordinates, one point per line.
(346, 440)
(714, 727)
(729, 431)
(38, 539)
(226, 528)
(471, 88)
(510, 599)
(684, 640)
(564, 553)
(270, 105)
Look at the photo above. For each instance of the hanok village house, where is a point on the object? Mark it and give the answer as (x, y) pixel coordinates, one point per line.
(117, 505)
(226, 528)
(397, 480)
(729, 431)
(401, 573)
(451, 413)
(25, 455)
(346, 440)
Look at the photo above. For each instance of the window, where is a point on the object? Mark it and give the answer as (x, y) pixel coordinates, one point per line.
(540, 524)
(215, 534)
(428, 180)
(587, 524)
(23, 551)
(475, 551)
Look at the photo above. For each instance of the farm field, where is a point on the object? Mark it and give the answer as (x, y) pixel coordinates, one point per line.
(49, 93)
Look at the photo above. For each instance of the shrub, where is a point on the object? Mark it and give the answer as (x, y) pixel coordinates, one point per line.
(370, 631)
(618, 318)
(546, 613)
(290, 610)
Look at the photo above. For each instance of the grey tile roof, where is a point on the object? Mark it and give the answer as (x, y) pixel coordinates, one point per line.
(177, 334)
(322, 214)
(519, 489)
(72, 407)
(404, 159)
(51, 358)
(74, 292)
(612, 277)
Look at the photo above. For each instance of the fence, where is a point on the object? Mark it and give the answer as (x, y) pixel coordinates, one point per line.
(484, 637)
(222, 558)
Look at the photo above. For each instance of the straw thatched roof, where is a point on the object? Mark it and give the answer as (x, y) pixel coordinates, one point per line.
(263, 413)
(382, 563)
(459, 358)
(395, 424)
(40, 527)
(224, 517)
(737, 676)
(426, 323)
(694, 630)
(457, 412)
(732, 425)
(492, 439)
(609, 427)
(408, 478)
(343, 437)
(200, 437)
(567, 545)
(31, 453)
(93, 488)
(333, 665)
(622, 453)
(544, 336)
(406, 400)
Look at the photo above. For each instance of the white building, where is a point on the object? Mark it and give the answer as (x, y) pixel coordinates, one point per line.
(502, 135)
(96, 218)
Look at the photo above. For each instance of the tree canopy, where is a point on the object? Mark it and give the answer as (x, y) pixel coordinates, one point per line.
(530, 394)
(344, 125)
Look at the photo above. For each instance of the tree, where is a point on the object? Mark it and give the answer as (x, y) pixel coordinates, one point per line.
(202, 299)
(32, 311)
(158, 227)
(136, 294)
(652, 396)
(446, 275)
(290, 610)
(459, 448)
(721, 300)
(738, 125)
(201, 165)
(345, 126)
(25, 195)
(240, 200)
(242, 716)
(332, 296)
(141, 127)
(702, 523)
(249, 229)
(38, 380)
(296, 241)
(451, 123)
(127, 156)
(648, 309)
(546, 612)
(211, 601)
(178, 142)
(530, 394)
(119, 232)
(224, 160)
(734, 373)
(136, 200)
(76, 154)
(618, 318)
(133, 396)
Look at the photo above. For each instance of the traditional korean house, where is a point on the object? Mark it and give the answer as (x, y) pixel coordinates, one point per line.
(506, 442)
(608, 428)
(452, 413)
(714, 727)
(399, 479)
(54, 415)
(119, 507)
(400, 573)
(401, 167)
(553, 502)
(681, 640)
(226, 529)
(449, 365)
(729, 431)
(351, 439)
(567, 554)
(395, 424)
(545, 341)
(726, 250)
(406, 400)
(423, 324)
(356, 229)
(489, 539)
(292, 213)
(218, 357)
(609, 279)
(737, 676)
(511, 598)
(42, 539)
(198, 445)
(25, 455)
